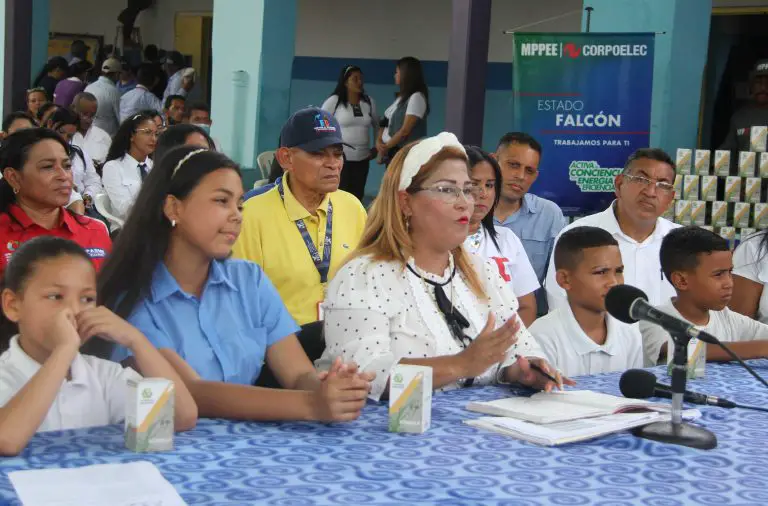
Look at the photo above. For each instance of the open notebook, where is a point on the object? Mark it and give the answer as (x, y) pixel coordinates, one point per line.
(563, 406)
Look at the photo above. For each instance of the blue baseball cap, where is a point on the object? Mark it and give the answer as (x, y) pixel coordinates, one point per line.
(312, 130)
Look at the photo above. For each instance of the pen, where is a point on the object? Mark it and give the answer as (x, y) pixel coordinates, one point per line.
(541, 371)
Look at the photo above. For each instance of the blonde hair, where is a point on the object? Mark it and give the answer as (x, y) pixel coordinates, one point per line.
(386, 236)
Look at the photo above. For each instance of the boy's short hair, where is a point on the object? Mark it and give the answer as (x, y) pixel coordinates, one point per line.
(571, 245)
(680, 248)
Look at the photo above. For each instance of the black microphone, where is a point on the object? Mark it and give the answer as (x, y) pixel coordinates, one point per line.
(641, 384)
(629, 305)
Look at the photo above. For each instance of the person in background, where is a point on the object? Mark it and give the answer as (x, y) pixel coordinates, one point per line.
(199, 114)
(535, 220)
(34, 190)
(89, 137)
(127, 80)
(128, 161)
(356, 113)
(217, 320)
(644, 190)
(107, 96)
(159, 120)
(750, 275)
(182, 135)
(173, 109)
(410, 294)
(300, 231)
(84, 176)
(78, 52)
(698, 263)
(141, 98)
(45, 383)
(35, 99)
(45, 112)
(581, 337)
(177, 85)
(52, 72)
(498, 244)
(755, 113)
(406, 119)
(16, 121)
(67, 88)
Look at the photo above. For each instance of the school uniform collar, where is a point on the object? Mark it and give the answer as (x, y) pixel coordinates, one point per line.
(294, 208)
(131, 161)
(581, 341)
(164, 284)
(29, 367)
(609, 222)
(22, 219)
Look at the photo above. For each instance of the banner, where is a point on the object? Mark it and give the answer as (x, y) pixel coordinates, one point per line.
(586, 97)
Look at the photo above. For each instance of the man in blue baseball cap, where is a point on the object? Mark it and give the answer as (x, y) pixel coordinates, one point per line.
(301, 230)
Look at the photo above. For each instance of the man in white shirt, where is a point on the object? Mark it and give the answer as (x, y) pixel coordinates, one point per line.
(644, 190)
(89, 137)
(140, 98)
(107, 96)
(177, 84)
(699, 264)
(580, 337)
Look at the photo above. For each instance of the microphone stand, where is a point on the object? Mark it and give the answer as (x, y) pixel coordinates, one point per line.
(676, 432)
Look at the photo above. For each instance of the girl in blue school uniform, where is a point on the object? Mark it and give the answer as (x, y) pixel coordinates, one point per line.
(45, 383)
(216, 319)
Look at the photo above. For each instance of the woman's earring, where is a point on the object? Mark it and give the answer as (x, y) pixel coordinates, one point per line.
(173, 223)
(15, 191)
(408, 224)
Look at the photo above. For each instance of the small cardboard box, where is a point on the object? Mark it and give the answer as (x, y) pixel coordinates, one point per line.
(708, 227)
(719, 214)
(752, 186)
(722, 162)
(760, 214)
(709, 188)
(149, 415)
(697, 357)
(747, 163)
(757, 137)
(691, 188)
(669, 212)
(733, 189)
(741, 214)
(702, 163)
(683, 161)
(679, 185)
(698, 212)
(683, 212)
(729, 234)
(746, 232)
(763, 169)
(410, 398)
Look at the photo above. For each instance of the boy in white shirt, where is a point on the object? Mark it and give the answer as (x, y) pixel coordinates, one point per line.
(698, 263)
(581, 337)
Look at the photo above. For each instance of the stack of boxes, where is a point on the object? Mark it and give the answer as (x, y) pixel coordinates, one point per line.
(711, 194)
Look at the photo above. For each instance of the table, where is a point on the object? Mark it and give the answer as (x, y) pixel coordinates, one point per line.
(229, 463)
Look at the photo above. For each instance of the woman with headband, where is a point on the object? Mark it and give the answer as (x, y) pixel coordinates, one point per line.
(216, 319)
(410, 294)
(356, 113)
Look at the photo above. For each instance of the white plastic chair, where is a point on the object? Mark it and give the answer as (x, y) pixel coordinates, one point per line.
(104, 206)
(260, 183)
(264, 161)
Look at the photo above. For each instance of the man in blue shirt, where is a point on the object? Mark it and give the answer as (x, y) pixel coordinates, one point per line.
(536, 221)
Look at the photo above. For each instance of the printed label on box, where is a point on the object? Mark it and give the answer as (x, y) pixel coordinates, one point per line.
(722, 162)
(733, 189)
(149, 415)
(683, 212)
(757, 136)
(709, 188)
(747, 163)
(683, 161)
(719, 214)
(702, 163)
(697, 357)
(752, 186)
(410, 398)
(741, 214)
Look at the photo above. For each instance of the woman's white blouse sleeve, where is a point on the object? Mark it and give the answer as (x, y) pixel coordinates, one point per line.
(746, 259)
(360, 302)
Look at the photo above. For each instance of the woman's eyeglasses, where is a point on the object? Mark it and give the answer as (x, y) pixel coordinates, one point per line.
(148, 132)
(450, 194)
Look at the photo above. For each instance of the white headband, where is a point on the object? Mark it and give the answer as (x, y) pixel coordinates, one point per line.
(422, 152)
(185, 159)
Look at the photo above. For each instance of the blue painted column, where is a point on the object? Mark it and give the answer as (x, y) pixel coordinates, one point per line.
(253, 48)
(680, 57)
(41, 22)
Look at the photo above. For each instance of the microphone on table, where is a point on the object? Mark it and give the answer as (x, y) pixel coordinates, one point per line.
(642, 384)
(630, 305)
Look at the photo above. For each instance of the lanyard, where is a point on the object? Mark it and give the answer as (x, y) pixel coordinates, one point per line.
(323, 264)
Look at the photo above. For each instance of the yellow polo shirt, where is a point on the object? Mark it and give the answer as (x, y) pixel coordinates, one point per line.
(270, 238)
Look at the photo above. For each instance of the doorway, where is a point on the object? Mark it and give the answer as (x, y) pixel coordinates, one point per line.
(193, 32)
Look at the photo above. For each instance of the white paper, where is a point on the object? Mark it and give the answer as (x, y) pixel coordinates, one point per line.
(132, 484)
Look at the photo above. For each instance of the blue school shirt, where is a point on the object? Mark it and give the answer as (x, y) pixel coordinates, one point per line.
(225, 334)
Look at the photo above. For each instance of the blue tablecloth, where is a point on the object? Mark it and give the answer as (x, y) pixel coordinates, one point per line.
(228, 463)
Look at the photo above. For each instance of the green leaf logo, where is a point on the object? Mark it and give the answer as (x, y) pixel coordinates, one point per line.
(146, 393)
(398, 378)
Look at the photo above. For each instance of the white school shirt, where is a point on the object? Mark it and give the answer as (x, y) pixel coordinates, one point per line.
(726, 325)
(642, 266)
(355, 130)
(751, 262)
(94, 396)
(509, 258)
(122, 182)
(96, 142)
(377, 313)
(573, 353)
(417, 106)
(84, 175)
